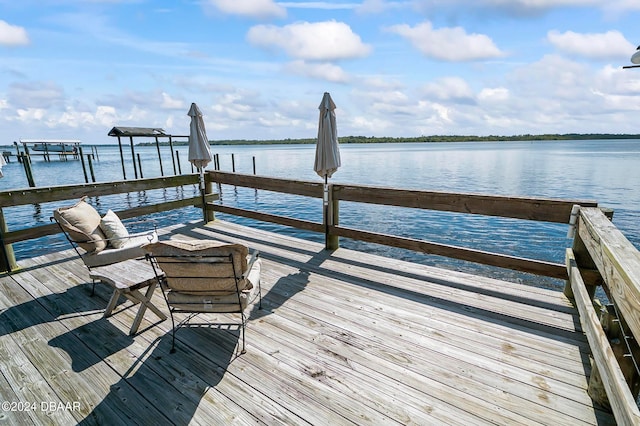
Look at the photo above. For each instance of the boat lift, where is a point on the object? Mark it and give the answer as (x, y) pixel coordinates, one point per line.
(64, 148)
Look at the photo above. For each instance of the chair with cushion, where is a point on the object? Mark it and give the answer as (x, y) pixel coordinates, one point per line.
(206, 276)
(103, 240)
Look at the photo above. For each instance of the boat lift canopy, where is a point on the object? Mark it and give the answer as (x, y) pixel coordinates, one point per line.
(146, 132)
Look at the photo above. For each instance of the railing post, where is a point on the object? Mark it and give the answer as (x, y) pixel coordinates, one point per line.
(208, 189)
(614, 328)
(330, 218)
(584, 263)
(7, 258)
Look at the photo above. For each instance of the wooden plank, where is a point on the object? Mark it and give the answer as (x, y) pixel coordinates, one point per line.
(289, 186)
(542, 209)
(622, 401)
(537, 267)
(375, 388)
(81, 389)
(20, 197)
(266, 217)
(444, 326)
(617, 260)
(481, 378)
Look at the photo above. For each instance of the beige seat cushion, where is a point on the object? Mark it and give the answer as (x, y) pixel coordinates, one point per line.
(132, 249)
(82, 222)
(202, 267)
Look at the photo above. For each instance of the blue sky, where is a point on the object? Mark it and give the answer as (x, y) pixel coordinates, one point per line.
(73, 69)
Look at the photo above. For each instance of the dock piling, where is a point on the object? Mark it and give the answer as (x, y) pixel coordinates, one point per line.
(178, 161)
(140, 166)
(89, 158)
(26, 162)
(84, 167)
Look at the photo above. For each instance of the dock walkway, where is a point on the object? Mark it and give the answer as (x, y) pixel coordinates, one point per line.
(343, 338)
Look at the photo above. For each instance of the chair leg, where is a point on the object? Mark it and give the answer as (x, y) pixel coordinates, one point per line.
(93, 288)
(173, 333)
(242, 331)
(259, 295)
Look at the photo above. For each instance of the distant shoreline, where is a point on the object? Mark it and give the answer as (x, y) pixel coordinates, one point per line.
(435, 138)
(387, 139)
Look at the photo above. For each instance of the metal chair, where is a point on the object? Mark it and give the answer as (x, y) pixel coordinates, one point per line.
(199, 277)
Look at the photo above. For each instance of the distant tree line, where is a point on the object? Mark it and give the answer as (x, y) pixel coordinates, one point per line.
(434, 138)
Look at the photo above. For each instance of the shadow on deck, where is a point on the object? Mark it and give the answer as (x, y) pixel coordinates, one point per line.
(343, 338)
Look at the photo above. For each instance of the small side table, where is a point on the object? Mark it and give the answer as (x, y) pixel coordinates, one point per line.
(127, 278)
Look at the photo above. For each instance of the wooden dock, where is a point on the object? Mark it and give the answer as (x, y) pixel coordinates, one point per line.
(343, 338)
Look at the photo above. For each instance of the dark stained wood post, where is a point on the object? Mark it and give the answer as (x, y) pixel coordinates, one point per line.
(84, 168)
(133, 158)
(89, 160)
(26, 163)
(173, 160)
(178, 161)
(124, 171)
(140, 166)
(159, 159)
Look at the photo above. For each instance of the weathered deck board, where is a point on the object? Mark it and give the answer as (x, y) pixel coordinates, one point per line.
(344, 338)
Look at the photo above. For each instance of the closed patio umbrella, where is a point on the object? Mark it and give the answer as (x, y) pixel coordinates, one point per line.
(199, 149)
(327, 151)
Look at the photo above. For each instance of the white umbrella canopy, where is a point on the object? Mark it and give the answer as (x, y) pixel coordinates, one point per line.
(199, 149)
(327, 151)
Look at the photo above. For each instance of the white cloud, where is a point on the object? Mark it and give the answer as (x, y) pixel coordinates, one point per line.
(12, 35)
(609, 45)
(494, 94)
(322, 71)
(170, 103)
(449, 88)
(259, 9)
(319, 41)
(449, 44)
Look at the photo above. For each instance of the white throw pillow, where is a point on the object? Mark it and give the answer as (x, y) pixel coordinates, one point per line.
(114, 230)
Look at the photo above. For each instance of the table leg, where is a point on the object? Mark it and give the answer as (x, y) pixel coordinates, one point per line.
(145, 302)
(112, 303)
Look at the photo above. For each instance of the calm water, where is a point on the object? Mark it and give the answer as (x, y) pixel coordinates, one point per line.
(605, 171)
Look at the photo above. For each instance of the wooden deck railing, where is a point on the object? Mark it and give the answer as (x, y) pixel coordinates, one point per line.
(549, 210)
(613, 331)
(41, 195)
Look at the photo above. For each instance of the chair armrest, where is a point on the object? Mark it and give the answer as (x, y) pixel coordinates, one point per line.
(254, 256)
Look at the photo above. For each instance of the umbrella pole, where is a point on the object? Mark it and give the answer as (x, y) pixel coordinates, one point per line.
(204, 203)
(325, 211)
